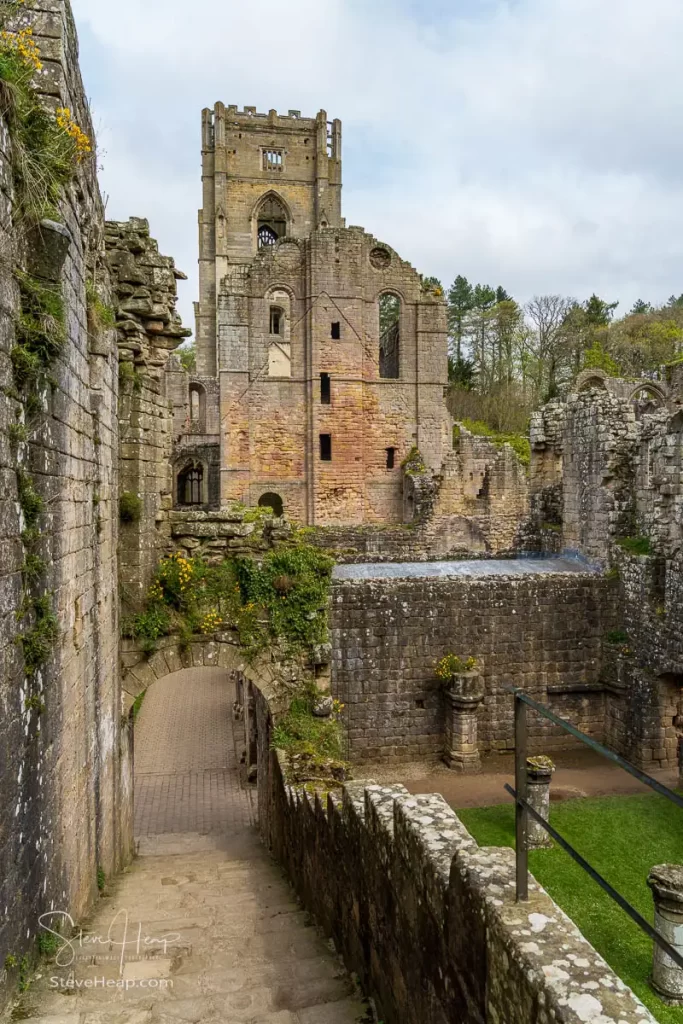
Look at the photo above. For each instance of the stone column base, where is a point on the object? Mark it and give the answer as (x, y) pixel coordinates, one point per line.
(459, 762)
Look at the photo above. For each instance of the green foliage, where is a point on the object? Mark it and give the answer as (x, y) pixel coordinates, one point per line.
(47, 943)
(617, 636)
(32, 505)
(38, 641)
(596, 358)
(45, 150)
(40, 333)
(452, 665)
(34, 703)
(17, 433)
(521, 445)
(299, 731)
(101, 879)
(635, 545)
(148, 626)
(130, 507)
(100, 316)
(414, 464)
(11, 961)
(290, 588)
(188, 357)
(282, 598)
(613, 573)
(129, 376)
(137, 704)
(34, 566)
(555, 527)
(623, 838)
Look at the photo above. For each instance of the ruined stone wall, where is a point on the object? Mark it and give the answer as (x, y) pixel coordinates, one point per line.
(619, 447)
(65, 772)
(147, 328)
(425, 918)
(236, 180)
(271, 386)
(542, 633)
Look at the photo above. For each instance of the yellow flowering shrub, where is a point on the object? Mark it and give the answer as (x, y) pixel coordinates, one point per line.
(81, 141)
(24, 45)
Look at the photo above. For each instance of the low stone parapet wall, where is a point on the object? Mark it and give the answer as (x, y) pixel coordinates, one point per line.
(425, 917)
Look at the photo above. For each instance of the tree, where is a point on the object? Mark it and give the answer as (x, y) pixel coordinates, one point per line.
(547, 359)
(461, 372)
(460, 301)
(188, 357)
(639, 306)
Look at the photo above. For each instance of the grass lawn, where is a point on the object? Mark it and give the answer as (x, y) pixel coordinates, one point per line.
(622, 837)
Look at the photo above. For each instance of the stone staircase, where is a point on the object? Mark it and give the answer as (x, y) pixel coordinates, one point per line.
(238, 947)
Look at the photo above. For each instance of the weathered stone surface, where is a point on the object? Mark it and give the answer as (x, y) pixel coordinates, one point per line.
(425, 918)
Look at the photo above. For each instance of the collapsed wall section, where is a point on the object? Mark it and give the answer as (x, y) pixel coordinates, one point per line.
(542, 632)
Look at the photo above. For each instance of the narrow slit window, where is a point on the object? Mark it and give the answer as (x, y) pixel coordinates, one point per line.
(336, 331)
(276, 320)
(325, 390)
(391, 458)
(326, 447)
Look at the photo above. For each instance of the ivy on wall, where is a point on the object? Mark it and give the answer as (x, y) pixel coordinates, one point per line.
(280, 599)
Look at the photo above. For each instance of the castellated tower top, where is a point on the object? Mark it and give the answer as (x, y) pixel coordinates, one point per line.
(265, 177)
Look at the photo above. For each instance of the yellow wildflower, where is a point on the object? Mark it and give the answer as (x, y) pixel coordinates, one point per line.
(68, 125)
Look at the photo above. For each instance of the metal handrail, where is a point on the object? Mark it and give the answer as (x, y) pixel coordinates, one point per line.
(523, 809)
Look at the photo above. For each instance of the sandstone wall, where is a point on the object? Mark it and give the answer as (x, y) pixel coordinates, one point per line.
(542, 633)
(65, 774)
(425, 918)
(147, 329)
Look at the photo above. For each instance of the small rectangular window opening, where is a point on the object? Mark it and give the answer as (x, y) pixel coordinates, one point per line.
(272, 159)
(325, 388)
(326, 447)
(391, 456)
(275, 320)
(336, 331)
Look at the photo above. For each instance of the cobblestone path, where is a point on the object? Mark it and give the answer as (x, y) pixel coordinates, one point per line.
(187, 775)
(212, 931)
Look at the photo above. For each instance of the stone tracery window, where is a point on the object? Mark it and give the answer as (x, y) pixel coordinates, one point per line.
(190, 485)
(271, 221)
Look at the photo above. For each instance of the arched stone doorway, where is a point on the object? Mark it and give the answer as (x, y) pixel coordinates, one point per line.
(188, 749)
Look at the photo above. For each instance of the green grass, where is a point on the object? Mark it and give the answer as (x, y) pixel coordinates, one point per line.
(622, 837)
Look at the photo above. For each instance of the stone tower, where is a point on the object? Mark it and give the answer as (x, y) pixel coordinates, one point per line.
(321, 355)
(264, 176)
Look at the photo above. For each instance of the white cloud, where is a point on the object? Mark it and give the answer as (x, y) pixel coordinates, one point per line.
(531, 143)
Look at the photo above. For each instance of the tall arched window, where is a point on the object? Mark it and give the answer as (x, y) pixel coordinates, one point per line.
(389, 335)
(198, 408)
(271, 221)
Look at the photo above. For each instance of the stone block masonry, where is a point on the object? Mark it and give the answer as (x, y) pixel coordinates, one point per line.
(426, 918)
(65, 772)
(538, 630)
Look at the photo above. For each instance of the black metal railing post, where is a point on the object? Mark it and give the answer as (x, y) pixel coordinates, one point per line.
(521, 813)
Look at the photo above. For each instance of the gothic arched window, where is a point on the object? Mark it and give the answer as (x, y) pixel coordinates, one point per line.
(190, 487)
(271, 221)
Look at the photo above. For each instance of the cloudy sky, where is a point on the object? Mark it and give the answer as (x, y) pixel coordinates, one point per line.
(535, 144)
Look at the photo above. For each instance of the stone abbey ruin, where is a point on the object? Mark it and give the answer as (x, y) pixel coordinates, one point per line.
(316, 417)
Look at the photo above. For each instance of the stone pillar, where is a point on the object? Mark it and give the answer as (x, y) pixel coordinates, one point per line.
(539, 772)
(463, 698)
(666, 882)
